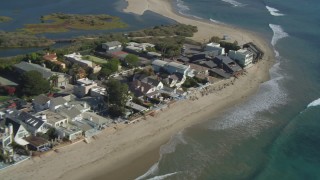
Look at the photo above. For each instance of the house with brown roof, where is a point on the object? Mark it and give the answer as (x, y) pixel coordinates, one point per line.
(52, 57)
(37, 143)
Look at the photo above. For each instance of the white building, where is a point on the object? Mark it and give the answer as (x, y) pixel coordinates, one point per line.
(83, 86)
(77, 59)
(243, 57)
(173, 67)
(215, 47)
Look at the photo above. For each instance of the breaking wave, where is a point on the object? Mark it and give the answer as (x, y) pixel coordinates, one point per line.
(182, 8)
(215, 21)
(234, 3)
(278, 33)
(270, 95)
(167, 148)
(163, 176)
(274, 11)
(153, 170)
(314, 103)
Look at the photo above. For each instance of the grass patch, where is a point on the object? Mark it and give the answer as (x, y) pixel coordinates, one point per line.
(95, 59)
(59, 22)
(4, 98)
(5, 19)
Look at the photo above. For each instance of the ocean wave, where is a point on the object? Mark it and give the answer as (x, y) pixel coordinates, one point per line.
(175, 140)
(278, 33)
(182, 8)
(163, 176)
(152, 170)
(314, 103)
(234, 3)
(274, 11)
(270, 95)
(167, 148)
(215, 21)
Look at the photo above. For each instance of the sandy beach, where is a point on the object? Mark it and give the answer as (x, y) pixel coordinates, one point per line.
(135, 147)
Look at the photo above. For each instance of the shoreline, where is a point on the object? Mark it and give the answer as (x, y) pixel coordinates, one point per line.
(127, 146)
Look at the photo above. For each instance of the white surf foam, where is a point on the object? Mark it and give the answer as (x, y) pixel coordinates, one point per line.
(274, 11)
(167, 148)
(278, 33)
(182, 8)
(170, 147)
(234, 3)
(163, 176)
(314, 103)
(153, 170)
(215, 21)
(270, 95)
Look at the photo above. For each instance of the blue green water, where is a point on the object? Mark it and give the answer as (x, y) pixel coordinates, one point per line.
(276, 133)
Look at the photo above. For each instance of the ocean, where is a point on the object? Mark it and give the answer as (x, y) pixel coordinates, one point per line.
(275, 134)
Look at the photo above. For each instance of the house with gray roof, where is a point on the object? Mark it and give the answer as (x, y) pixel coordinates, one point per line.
(113, 45)
(32, 123)
(57, 102)
(41, 102)
(72, 113)
(152, 80)
(62, 80)
(227, 64)
(52, 118)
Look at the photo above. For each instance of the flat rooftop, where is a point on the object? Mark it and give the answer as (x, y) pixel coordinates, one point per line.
(85, 81)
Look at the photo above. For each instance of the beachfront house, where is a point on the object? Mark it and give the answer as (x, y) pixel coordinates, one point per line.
(36, 143)
(70, 132)
(32, 123)
(17, 131)
(242, 56)
(6, 140)
(215, 47)
(113, 45)
(227, 64)
(61, 80)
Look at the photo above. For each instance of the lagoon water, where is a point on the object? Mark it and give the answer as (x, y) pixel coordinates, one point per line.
(275, 134)
(29, 12)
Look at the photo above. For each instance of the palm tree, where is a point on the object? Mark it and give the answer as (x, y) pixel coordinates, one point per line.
(54, 81)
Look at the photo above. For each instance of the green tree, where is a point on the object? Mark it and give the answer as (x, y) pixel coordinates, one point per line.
(35, 58)
(117, 97)
(34, 84)
(51, 133)
(132, 60)
(109, 68)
